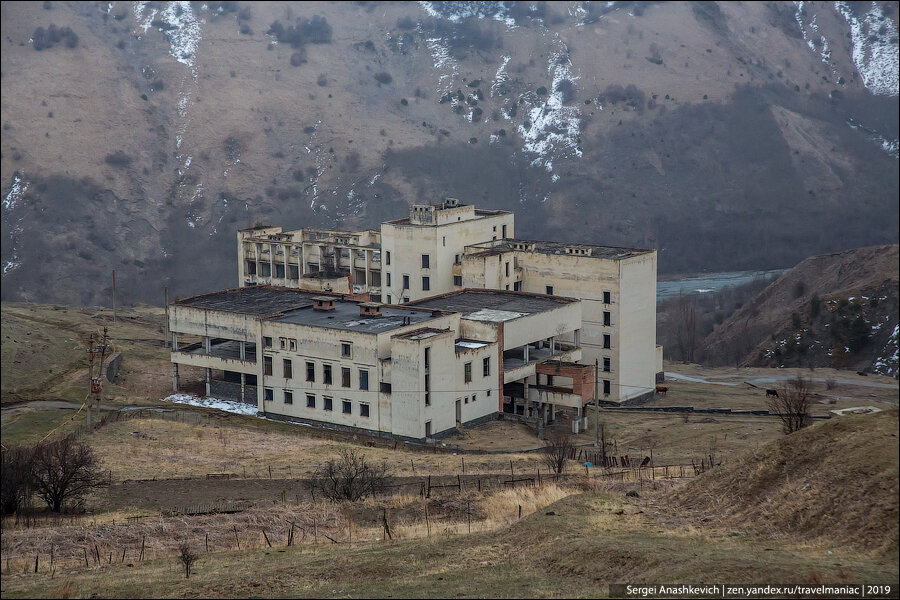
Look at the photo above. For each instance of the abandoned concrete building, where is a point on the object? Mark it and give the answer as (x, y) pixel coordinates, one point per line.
(438, 320)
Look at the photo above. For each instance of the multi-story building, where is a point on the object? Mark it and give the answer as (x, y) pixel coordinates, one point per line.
(452, 246)
(413, 371)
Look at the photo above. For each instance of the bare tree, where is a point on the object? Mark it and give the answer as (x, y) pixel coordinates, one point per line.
(15, 478)
(557, 448)
(792, 404)
(349, 477)
(64, 470)
(686, 330)
(187, 558)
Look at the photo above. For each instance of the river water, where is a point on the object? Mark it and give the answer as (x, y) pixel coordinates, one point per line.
(708, 283)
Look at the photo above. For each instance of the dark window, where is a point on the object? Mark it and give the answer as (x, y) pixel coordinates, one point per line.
(327, 403)
(267, 365)
(426, 261)
(606, 386)
(293, 344)
(283, 342)
(607, 364)
(426, 283)
(310, 371)
(265, 269)
(345, 349)
(268, 394)
(427, 428)
(389, 297)
(363, 410)
(607, 341)
(294, 271)
(504, 232)
(363, 379)
(507, 268)
(326, 371)
(427, 357)
(466, 400)
(607, 318)
(406, 282)
(607, 297)
(517, 286)
(279, 270)
(486, 366)
(345, 376)
(457, 280)
(387, 279)
(346, 407)
(456, 260)
(288, 369)
(251, 267)
(474, 397)
(267, 342)
(387, 257)
(468, 372)
(310, 401)
(549, 290)
(288, 397)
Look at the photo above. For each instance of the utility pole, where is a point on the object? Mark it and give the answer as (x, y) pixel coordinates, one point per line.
(596, 402)
(96, 381)
(166, 292)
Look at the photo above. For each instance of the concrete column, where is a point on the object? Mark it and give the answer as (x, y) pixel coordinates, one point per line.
(175, 377)
(208, 382)
(206, 344)
(577, 337)
(174, 342)
(366, 255)
(302, 259)
(552, 345)
(524, 396)
(526, 356)
(243, 385)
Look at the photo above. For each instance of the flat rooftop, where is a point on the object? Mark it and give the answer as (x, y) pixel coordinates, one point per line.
(346, 317)
(544, 247)
(254, 300)
(492, 305)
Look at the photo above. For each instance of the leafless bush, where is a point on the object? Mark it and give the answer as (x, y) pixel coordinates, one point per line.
(350, 477)
(15, 478)
(557, 448)
(792, 404)
(63, 471)
(830, 383)
(187, 558)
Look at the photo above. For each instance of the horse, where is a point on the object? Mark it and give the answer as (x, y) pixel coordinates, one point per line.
(661, 390)
(771, 393)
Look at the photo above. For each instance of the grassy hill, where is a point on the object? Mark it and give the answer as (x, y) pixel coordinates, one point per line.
(728, 135)
(838, 310)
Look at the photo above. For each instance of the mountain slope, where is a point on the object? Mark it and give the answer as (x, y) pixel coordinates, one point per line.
(837, 310)
(727, 135)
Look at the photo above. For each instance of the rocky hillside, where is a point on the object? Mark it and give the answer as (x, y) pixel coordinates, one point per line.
(138, 136)
(838, 310)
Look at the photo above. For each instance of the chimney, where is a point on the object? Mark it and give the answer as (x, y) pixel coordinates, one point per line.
(369, 309)
(323, 303)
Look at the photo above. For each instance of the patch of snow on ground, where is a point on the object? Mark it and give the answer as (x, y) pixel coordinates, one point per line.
(457, 11)
(888, 361)
(554, 130)
(500, 76)
(183, 32)
(440, 55)
(874, 48)
(13, 200)
(239, 408)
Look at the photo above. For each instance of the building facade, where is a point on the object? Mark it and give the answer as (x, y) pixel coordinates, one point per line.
(452, 246)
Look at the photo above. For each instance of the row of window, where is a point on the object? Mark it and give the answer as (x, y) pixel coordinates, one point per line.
(291, 344)
(312, 402)
(287, 371)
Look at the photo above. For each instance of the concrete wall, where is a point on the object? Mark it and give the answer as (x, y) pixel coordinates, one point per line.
(215, 324)
(637, 317)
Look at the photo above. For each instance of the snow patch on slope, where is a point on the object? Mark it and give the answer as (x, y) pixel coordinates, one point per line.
(13, 200)
(457, 11)
(874, 48)
(888, 360)
(240, 408)
(554, 126)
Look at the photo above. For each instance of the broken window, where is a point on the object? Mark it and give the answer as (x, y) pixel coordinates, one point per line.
(268, 394)
(283, 343)
(549, 290)
(311, 371)
(267, 342)
(265, 269)
(607, 318)
(251, 267)
(279, 270)
(327, 402)
(426, 284)
(607, 364)
(363, 409)
(387, 279)
(607, 341)
(607, 297)
(288, 397)
(467, 370)
(310, 401)
(267, 365)
(288, 369)
(457, 280)
(606, 386)
(345, 349)
(406, 282)
(294, 271)
(507, 268)
(326, 373)
(347, 407)
(345, 376)
(363, 379)
(426, 261)
(292, 343)
(486, 366)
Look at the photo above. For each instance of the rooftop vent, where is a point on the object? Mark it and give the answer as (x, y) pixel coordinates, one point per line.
(323, 303)
(369, 309)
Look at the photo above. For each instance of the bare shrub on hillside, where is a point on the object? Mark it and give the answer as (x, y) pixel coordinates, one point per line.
(348, 478)
(15, 478)
(792, 404)
(64, 471)
(557, 448)
(187, 558)
(830, 383)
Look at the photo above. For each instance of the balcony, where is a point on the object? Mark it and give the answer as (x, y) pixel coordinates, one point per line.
(515, 367)
(223, 354)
